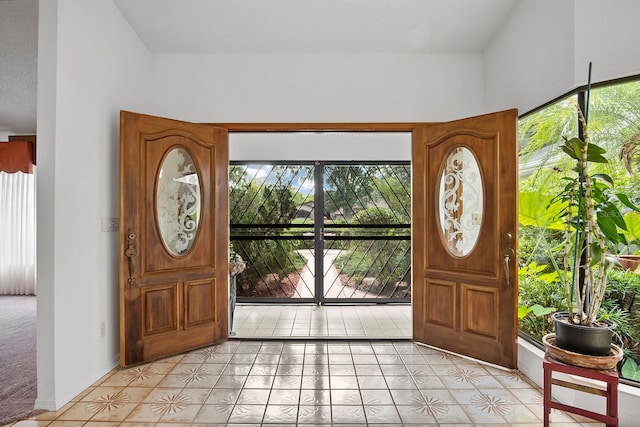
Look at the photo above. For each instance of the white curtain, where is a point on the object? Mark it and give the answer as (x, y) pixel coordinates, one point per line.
(17, 234)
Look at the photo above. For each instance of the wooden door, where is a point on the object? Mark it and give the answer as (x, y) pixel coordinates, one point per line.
(464, 237)
(174, 237)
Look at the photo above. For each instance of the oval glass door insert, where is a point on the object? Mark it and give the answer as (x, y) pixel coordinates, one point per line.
(460, 202)
(178, 201)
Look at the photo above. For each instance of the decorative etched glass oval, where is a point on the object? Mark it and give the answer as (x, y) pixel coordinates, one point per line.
(460, 201)
(178, 201)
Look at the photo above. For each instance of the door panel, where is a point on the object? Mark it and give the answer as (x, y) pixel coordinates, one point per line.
(464, 236)
(174, 236)
(159, 316)
(442, 310)
(199, 300)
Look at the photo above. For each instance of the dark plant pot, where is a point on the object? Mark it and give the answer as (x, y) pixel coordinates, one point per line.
(590, 340)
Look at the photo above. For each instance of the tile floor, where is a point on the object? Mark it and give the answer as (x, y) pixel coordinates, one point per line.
(304, 321)
(311, 381)
(308, 383)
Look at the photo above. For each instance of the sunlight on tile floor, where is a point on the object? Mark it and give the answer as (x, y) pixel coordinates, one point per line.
(335, 321)
(308, 383)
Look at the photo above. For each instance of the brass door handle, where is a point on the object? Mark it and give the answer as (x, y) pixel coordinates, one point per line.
(507, 258)
(131, 253)
(508, 253)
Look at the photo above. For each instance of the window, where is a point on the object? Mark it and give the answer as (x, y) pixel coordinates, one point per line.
(613, 115)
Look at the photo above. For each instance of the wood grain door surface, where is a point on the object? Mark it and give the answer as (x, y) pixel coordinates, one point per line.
(173, 278)
(465, 283)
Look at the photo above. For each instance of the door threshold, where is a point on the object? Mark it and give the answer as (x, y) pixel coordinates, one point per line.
(323, 338)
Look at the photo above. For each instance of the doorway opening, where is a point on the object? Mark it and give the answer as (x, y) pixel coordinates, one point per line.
(464, 302)
(327, 243)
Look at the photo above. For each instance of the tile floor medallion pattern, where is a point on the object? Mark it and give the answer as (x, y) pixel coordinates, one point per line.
(308, 383)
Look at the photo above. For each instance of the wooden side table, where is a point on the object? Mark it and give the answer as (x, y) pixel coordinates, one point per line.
(610, 377)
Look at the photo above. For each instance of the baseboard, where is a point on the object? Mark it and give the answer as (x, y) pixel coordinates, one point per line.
(45, 405)
(54, 405)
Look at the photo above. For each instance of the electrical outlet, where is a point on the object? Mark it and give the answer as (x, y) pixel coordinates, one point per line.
(109, 224)
(103, 330)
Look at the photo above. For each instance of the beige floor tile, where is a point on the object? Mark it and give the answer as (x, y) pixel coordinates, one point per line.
(309, 383)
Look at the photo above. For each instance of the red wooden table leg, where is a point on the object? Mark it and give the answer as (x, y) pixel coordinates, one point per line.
(547, 395)
(612, 401)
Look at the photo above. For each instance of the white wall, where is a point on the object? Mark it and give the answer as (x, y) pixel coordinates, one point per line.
(91, 65)
(318, 87)
(45, 200)
(311, 146)
(545, 47)
(18, 66)
(530, 60)
(608, 34)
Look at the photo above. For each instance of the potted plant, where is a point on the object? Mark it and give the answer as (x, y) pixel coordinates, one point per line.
(593, 225)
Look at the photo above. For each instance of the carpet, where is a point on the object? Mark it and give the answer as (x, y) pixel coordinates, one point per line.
(18, 382)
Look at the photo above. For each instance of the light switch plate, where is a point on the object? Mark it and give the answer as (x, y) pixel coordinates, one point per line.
(109, 224)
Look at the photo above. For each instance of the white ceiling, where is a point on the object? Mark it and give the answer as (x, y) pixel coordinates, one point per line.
(404, 26)
(264, 26)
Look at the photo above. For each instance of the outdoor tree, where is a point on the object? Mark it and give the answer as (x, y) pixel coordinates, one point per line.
(348, 189)
(263, 203)
(392, 189)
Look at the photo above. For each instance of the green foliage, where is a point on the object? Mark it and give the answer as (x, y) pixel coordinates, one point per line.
(540, 294)
(268, 262)
(375, 215)
(388, 261)
(614, 130)
(573, 147)
(622, 305)
(347, 189)
(631, 370)
(540, 246)
(391, 189)
(536, 309)
(613, 119)
(540, 210)
(632, 233)
(624, 286)
(547, 126)
(266, 203)
(574, 197)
